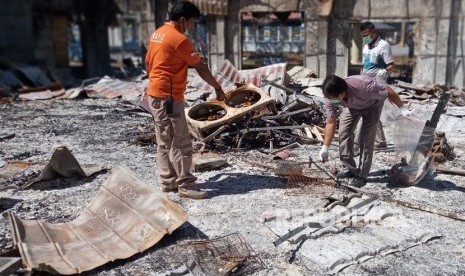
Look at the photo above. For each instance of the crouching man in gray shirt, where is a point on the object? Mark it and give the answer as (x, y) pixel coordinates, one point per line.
(361, 97)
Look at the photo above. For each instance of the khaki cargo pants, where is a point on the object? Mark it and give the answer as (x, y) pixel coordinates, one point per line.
(174, 145)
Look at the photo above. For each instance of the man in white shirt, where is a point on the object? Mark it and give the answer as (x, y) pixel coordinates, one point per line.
(378, 62)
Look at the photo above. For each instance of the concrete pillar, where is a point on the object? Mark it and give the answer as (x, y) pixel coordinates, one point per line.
(452, 44)
(96, 52)
(316, 46)
(217, 38)
(357, 45)
(232, 35)
(339, 34)
(161, 9)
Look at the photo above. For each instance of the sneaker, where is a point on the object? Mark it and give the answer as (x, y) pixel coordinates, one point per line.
(346, 174)
(167, 189)
(193, 194)
(358, 182)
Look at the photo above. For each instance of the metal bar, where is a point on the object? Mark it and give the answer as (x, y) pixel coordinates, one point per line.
(213, 134)
(295, 144)
(264, 120)
(453, 171)
(282, 87)
(351, 188)
(260, 129)
(288, 114)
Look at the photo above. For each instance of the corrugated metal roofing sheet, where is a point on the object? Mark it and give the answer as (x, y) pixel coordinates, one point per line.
(42, 95)
(113, 88)
(228, 76)
(126, 217)
(377, 230)
(64, 164)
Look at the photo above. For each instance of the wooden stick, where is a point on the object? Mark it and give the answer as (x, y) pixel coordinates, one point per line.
(453, 171)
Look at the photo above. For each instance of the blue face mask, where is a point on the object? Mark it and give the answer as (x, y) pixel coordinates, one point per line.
(366, 39)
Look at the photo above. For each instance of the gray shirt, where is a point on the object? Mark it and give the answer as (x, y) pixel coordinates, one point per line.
(362, 92)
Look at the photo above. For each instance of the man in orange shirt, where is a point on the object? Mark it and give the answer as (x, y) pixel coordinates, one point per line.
(169, 54)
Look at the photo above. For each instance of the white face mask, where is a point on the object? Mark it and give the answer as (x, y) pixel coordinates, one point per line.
(184, 30)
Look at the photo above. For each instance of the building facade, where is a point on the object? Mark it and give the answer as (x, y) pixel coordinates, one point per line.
(427, 36)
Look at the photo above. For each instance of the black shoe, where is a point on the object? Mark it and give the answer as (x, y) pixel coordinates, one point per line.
(381, 145)
(346, 174)
(358, 182)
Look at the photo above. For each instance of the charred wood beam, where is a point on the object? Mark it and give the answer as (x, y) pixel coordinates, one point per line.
(213, 134)
(444, 170)
(271, 122)
(294, 136)
(426, 140)
(411, 87)
(440, 109)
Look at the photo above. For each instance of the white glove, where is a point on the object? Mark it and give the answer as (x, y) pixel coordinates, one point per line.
(324, 153)
(382, 73)
(405, 112)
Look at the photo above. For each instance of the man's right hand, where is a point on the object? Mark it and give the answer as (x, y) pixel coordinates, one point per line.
(405, 111)
(220, 96)
(324, 154)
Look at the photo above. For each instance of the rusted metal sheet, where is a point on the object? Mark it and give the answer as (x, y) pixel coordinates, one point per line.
(275, 73)
(126, 217)
(113, 88)
(42, 95)
(63, 163)
(212, 7)
(11, 168)
(228, 76)
(53, 86)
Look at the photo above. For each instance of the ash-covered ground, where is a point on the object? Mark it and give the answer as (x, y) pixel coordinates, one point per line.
(106, 132)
